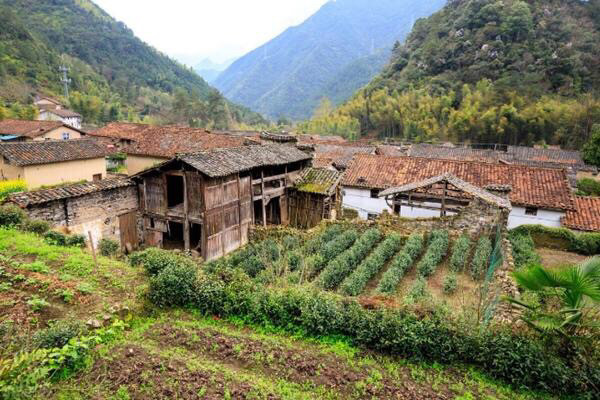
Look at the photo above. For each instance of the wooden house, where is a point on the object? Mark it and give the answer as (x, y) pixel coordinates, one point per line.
(205, 202)
(316, 196)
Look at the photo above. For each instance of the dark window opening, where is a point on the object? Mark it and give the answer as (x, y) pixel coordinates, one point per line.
(372, 216)
(531, 211)
(173, 238)
(175, 193)
(258, 220)
(374, 193)
(97, 177)
(397, 209)
(152, 223)
(196, 237)
(274, 212)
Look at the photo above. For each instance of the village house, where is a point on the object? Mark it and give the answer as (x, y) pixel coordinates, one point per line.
(586, 215)
(52, 162)
(538, 195)
(206, 201)
(52, 110)
(104, 209)
(12, 130)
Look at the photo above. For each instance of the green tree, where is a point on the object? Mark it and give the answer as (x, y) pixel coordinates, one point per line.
(591, 150)
(519, 21)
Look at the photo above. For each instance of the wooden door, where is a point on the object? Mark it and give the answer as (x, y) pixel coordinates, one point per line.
(128, 229)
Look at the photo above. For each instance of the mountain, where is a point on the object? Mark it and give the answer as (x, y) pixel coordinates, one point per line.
(110, 68)
(210, 70)
(486, 71)
(345, 39)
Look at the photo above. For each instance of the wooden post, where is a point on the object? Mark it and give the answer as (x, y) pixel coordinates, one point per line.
(262, 189)
(93, 249)
(443, 212)
(186, 220)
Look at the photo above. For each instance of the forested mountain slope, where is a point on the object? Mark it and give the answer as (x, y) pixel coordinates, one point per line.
(290, 74)
(114, 73)
(509, 71)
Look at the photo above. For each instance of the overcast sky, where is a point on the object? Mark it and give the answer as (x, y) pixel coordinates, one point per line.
(190, 30)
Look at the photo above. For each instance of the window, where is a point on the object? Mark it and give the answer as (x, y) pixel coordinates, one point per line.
(374, 193)
(66, 136)
(372, 216)
(97, 177)
(531, 211)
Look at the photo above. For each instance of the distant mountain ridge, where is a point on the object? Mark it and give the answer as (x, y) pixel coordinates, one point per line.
(210, 70)
(291, 73)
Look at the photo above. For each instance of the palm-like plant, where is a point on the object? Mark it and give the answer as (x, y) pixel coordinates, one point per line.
(575, 291)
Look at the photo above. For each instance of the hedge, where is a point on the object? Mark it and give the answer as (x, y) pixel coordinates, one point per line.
(523, 249)
(460, 254)
(504, 353)
(587, 244)
(437, 249)
(481, 258)
(155, 260)
(357, 281)
(401, 263)
(338, 269)
(330, 250)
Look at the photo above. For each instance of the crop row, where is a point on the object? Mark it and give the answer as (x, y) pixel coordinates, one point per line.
(400, 264)
(338, 269)
(483, 251)
(354, 284)
(438, 246)
(330, 250)
(460, 254)
(313, 246)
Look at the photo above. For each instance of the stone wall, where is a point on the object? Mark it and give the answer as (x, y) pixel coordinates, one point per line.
(97, 212)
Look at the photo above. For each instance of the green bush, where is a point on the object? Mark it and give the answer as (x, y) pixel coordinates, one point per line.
(588, 187)
(338, 269)
(330, 250)
(294, 260)
(460, 254)
(11, 215)
(155, 260)
(35, 226)
(108, 247)
(55, 238)
(481, 258)
(587, 244)
(75, 240)
(523, 249)
(401, 263)
(58, 334)
(438, 246)
(354, 284)
(418, 290)
(175, 285)
(315, 244)
(450, 283)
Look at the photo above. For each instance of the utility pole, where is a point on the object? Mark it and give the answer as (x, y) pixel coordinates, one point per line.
(65, 80)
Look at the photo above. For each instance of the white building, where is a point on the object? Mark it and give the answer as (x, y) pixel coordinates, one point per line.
(538, 195)
(52, 110)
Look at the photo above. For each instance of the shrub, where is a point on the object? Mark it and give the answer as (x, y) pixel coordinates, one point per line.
(588, 187)
(55, 238)
(401, 263)
(35, 226)
(11, 215)
(460, 254)
(290, 242)
(332, 249)
(294, 260)
(58, 334)
(450, 283)
(481, 258)
(315, 244)
(438, 246)
(523, 249)
(356, 282)
(155, 260)
(587, 244)
(338, 269)
(175, 285)
(37, 303)
(75, 240)
(418, 290)
(108, 247)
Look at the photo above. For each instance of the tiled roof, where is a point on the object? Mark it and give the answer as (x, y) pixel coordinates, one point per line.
(387, 150)
(338, 156)
(224, 162)
(586, 216)
(319, 180)
(119, 130)
(36, 197)
(61, 112)
(168, 143)
(50, 151)
(30, 129)
(536, 187)
(466, 187)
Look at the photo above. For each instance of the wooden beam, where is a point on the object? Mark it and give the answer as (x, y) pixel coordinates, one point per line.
(186, 223)
(262, 190)
(269, 178)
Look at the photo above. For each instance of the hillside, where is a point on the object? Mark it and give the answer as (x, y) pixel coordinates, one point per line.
(487, 71)
(331, 54)
(115, 75)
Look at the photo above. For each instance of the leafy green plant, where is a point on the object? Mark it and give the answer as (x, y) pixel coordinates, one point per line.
(418, 290)
(450, 283)
(37, 304)
(438, 246)
(35, 226)
(342, 265)
(174, 285)
(523, 249)
(75, 240)
(563, 239)
(155, 260)
(354, 284)
(481, 258)
(65, 294)
(36, 266)
(400, 264)
(460, 254)
(108, 247)
(58, 334)
(55, 238)
(11, 215)
(588, 187)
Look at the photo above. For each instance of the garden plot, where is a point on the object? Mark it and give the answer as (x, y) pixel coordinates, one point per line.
(358, 260)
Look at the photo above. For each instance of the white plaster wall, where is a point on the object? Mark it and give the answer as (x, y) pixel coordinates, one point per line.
(549, 218)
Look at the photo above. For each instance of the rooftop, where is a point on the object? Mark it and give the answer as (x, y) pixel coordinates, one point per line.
(50, 151)
(61, 112)
(338, 156)
(531, 187)
(585, 216)
(319, 181)
(26, 199)
(30, 129)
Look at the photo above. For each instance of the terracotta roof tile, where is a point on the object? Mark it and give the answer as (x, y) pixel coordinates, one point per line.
(586, 216)
(61, 112)
(30, 129)
(338, 156)
(35, 197)
(50, 151)
(536, 187)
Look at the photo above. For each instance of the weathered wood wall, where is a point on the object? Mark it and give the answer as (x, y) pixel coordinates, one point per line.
(306, 209)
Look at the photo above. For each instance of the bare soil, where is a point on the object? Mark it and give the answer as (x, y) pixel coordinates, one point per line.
(558, 258)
